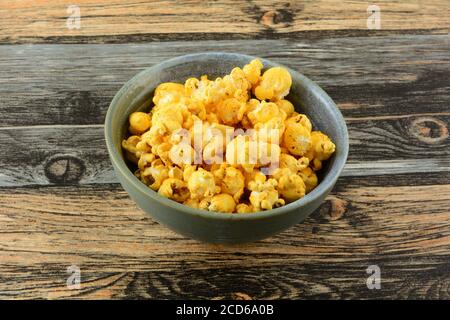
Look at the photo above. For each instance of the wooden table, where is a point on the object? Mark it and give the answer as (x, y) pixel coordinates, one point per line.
(61, 205)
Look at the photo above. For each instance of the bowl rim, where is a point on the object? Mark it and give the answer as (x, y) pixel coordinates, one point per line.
(120, 165)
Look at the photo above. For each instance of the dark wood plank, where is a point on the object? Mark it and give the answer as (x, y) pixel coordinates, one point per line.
(367, 77)
(122, 253)
(103, 21)
(277, 281)
(42, 155)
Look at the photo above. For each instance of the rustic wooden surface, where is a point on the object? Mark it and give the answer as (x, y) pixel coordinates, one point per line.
(60, 204)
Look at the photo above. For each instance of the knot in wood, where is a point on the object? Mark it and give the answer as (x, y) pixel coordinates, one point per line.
(64, 169)
(240, 296)
(429, 130)
(275, 17)
(333, 209)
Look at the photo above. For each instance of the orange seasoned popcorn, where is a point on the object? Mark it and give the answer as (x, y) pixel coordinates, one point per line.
(274, 84)
(139, 122)
(233, 144)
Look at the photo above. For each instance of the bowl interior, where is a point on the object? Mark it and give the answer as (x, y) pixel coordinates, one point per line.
(307, 97)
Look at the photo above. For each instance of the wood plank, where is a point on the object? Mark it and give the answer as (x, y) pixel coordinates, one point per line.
(277, 281)
(78, 155)
(39, 21)
(124, 254)
(367, 77)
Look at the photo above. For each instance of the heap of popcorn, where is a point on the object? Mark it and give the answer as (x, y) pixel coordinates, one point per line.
(233, 144)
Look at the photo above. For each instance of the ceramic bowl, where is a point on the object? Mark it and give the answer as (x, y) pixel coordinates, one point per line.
(307, 97)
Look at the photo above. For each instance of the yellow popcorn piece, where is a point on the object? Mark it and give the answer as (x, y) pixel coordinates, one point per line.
(293, 164)
(242, 151)
(297, 139)
(291, 187)
(145, 160)
(244, 208)
(170, 118)
(131, 143)
(309, 178)
(263, 112)
(323, 147)
(188, 170)
(222, 202)
(193, 203)
(155, 135)
(176, 173)
(275, 84)
(230, 111)
(264, 196)
(252, 71)
(168, 93)
(300, 119)
(174, 189)
(201, 184)
(181, 154)
(232, 182)
(286, 106)
(316, 164)
(154, 176)
(142, 147)
(139, 122)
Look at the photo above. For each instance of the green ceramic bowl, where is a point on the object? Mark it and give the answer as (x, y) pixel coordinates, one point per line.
(207, 226)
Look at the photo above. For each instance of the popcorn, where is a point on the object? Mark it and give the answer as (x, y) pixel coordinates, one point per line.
(297, 138)
(244, 208)
(193, 203)
(232, 181)
(286, 106)
(170, 118)
(242, 151)
(309, 178)
(263, 112)
(230, 111)
(174, 189)
(300, 119)
(252, 71)
(222, 203)
(201, 184)
(154, 176)
(323, 147)
(292, 163)
(291, 187)
(274, 85)
(139, 122)
(176, 172)
(181, 154)
(145, 160)
(264, 196)
(167, 94)
(192, 147)
(130, 143)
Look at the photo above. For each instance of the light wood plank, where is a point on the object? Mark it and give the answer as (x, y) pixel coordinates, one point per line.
(38, 21)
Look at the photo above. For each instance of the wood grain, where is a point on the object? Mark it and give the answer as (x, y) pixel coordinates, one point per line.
(61, 205)
(42, 21)
(77, 154)
(367, 77)
(124, 254)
